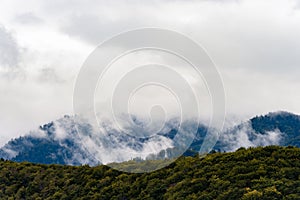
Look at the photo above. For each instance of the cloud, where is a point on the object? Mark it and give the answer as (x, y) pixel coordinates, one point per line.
(9, 50)
(49, 75)
(254, 43)
(245, 136)
(28, 18)
(92, 28)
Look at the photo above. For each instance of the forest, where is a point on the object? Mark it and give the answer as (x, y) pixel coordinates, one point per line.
(271, 172)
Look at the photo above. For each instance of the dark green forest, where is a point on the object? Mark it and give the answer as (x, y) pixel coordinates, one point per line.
(256, 173)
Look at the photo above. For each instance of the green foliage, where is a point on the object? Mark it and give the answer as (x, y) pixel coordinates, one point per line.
(255, 173)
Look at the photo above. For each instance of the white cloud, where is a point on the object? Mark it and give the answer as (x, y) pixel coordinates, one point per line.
(245, 136)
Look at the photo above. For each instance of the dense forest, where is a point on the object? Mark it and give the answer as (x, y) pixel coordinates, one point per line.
(256, 173)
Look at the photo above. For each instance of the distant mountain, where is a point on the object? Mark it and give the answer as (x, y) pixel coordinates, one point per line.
(60, 142)
(275, 128)
(284, 122)
(53, 143)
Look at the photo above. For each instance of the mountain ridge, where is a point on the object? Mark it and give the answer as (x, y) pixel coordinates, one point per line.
(58, 142)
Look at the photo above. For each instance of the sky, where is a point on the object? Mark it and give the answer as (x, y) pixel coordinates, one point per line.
(43, 44)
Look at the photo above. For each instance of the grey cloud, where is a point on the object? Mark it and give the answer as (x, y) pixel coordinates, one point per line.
(254, 41)
(94, 21)
(94, 28)
(9, 50)
(49, 75)
(297, 4)
(28, 18)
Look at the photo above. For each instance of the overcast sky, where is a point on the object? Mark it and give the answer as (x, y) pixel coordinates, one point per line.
(255, 45)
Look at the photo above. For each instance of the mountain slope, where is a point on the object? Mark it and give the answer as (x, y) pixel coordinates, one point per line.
(285, 122)
(59, 142)
(256, 173)
(50, 144)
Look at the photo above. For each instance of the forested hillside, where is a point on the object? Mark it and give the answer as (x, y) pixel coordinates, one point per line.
(256, 173)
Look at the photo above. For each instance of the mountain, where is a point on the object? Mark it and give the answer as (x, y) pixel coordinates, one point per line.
(268, 173)
(275, 128)
(61, 141)
(55, 142)
(284, 122)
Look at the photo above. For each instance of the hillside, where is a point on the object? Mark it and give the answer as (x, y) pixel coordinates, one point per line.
(256, 173)
(59, 142)
(284, 122)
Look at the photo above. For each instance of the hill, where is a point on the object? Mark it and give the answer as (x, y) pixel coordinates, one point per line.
(256, 173)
